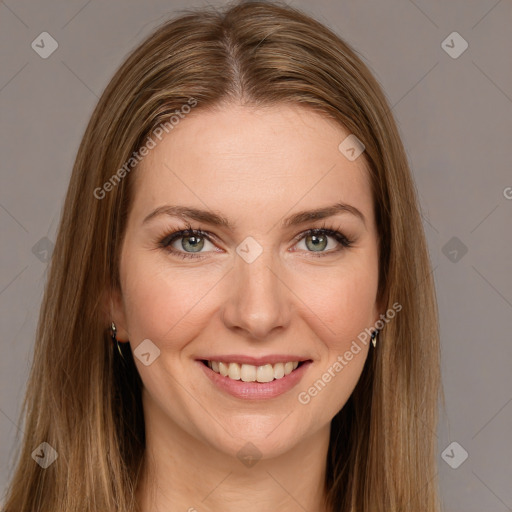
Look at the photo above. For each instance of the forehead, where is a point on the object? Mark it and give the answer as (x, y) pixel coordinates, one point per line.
(241, 159)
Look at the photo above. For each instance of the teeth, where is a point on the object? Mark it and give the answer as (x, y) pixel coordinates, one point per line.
(279, 370)
(223, 369)
(234, 371)
(250, 373)
(265, 373)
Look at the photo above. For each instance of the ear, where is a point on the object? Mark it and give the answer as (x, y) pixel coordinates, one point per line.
(378, 309)
(114, 311)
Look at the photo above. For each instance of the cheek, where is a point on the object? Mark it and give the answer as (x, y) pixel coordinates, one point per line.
(346, 306)
(354, 307)
(344, 301)
(158, 300)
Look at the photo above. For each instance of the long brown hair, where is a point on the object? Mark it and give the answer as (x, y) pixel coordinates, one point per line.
(84, 402)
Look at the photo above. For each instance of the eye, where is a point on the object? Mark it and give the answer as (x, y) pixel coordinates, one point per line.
(189, 243)
(186, 243)
(317, 240)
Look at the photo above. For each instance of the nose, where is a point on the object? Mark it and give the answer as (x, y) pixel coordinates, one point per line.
(258, 299)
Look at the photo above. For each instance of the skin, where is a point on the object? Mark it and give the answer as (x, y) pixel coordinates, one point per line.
(255, 167)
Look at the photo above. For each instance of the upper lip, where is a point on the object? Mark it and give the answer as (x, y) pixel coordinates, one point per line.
(255, 361)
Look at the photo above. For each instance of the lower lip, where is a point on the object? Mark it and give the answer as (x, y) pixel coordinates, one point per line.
(256, 390)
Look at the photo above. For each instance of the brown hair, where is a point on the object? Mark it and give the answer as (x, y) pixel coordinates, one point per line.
(87, 405)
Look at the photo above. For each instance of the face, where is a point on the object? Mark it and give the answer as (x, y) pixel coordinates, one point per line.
(251, 287)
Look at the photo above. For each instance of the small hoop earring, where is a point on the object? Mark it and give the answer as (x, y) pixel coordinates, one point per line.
(114, 339)
(374, 337)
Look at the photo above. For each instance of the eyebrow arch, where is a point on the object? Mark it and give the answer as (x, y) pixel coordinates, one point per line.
(215, 219)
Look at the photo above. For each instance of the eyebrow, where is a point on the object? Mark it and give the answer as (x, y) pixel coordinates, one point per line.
(210, 217)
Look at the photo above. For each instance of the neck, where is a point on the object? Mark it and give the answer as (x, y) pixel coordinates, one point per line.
(185, 473)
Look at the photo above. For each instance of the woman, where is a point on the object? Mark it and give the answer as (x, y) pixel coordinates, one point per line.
(239, 310)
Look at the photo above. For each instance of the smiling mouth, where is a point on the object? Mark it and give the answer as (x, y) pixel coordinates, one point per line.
(251, 373)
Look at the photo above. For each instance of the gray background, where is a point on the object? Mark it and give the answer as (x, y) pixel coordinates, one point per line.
(455, 117)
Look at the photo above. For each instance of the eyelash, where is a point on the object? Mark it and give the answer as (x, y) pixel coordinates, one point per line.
(169, 238)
